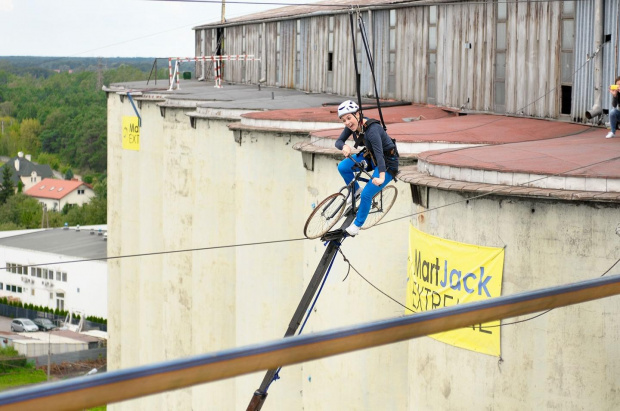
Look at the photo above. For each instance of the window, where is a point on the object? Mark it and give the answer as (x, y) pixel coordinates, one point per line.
(44, 274)
(58, 275)
(51, 296)
(567, 44)
(1, 286)
(38, 272)
(330, 54)
(64, 277)
(19, 289)
(33, 271)
(32, 291)
(81, 191)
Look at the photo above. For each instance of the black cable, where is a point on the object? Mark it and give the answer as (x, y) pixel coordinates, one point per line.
(163, 252)
(544, 312)
(499, 190)
(404, 306)
(371, 62)
(371, 284)
(357, 74)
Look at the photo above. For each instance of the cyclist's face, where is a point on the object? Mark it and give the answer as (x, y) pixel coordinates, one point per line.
(350, 121)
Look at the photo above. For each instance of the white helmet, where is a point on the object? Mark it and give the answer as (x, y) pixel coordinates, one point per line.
(347, 107)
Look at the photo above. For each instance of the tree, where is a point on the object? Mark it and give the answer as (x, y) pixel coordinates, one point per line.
(7, 189)
(29, 131)
(69, 174)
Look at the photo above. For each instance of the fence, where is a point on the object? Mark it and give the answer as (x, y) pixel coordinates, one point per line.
(12, 311)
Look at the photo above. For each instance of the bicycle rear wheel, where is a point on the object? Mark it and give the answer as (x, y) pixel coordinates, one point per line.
(325, 216)
(382, 202)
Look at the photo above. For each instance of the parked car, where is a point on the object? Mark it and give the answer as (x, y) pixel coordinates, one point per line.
(44, 324)
(23, 325)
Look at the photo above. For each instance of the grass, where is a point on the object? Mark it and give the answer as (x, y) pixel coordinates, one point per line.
(22, 376)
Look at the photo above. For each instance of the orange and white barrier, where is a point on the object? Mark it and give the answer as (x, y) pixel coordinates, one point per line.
(173, 75)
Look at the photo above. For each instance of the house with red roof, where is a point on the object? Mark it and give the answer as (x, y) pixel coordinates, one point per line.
(57, 193)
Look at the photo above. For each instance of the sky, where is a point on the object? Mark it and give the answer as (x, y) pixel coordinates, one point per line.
(110, 28)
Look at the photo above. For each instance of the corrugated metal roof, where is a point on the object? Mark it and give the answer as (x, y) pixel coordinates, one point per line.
(68, 242)
(327, 6)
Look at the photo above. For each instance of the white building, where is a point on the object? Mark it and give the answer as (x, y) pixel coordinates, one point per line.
(41, 268)
(55, 194)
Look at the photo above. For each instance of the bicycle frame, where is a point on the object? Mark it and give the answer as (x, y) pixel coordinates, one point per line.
(350, 189)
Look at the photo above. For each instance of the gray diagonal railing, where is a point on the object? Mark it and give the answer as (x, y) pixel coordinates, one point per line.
(114, 386)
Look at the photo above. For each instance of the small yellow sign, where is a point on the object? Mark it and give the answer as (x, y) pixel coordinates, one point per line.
(131, 133)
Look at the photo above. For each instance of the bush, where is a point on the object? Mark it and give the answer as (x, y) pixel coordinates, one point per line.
(10, 360)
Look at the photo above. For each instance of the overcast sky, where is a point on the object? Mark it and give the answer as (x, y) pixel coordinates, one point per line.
(109, 28)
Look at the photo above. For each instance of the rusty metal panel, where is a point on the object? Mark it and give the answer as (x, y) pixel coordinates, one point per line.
(344, 71)
(381, 49)
(583, 90)
(411, 54)
(269, 54)
(583, 80)
(314, 39)
(611, 50)
(532, 59)
(465, 56)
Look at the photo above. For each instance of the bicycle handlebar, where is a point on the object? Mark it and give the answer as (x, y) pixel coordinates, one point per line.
(361, 166)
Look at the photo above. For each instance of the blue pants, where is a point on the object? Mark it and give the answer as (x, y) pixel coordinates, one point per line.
(345, 167)
(614, 117)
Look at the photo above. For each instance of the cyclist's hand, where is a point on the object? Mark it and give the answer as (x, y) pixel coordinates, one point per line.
(346, 150)
(378, 181)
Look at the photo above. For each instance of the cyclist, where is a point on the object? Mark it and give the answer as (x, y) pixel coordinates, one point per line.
(381, 155)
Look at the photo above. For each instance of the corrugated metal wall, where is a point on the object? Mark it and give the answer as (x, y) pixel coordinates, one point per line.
(296, 55)
(411, 55)
(532, 64)
(583, 93)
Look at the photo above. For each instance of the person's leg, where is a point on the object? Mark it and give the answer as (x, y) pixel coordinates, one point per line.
(614, 116)
(345, 168)
(367, 195)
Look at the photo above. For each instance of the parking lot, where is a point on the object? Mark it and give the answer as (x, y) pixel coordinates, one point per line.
(5, 324)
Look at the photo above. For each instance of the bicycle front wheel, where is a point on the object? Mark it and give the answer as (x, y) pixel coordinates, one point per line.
(325, 216)
(382, 202)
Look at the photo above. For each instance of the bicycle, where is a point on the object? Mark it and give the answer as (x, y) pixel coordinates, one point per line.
(330, 210)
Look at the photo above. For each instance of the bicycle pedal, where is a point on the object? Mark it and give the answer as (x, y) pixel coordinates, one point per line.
(333, 235)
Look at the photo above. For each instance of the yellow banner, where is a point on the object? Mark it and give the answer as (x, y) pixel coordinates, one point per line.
(443, 273)
(131, 133)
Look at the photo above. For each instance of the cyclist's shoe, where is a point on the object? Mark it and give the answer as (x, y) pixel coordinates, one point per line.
(358, 193)
(352, 230)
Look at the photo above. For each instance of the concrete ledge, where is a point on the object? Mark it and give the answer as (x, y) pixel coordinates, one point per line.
(412, 176)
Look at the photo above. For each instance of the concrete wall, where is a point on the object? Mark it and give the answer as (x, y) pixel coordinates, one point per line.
(195, 188)
(198, 188)
(566, 359)
(35, 348)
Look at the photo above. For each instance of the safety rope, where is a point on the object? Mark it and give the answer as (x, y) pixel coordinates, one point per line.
(357, 74)
(371, 62)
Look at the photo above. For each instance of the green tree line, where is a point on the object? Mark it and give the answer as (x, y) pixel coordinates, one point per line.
(63, 114)
(61, 120)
